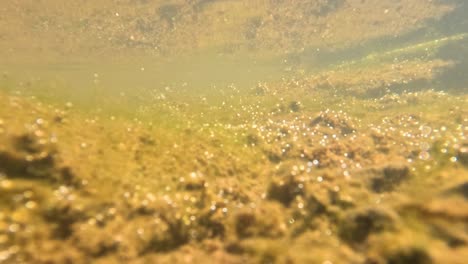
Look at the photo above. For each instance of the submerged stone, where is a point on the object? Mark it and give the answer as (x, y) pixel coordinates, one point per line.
(409, 256)
(31, 158)
(387, 178)
(461, 189)
(265, 221)
(285, 190)
(295, 106)
(358, 224)
(334, 121)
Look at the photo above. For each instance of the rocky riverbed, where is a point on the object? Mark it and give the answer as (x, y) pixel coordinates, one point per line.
(233, 132)
(301, 182)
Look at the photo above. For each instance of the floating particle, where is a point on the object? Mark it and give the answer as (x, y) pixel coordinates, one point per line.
(424, 155)
(140, 231)
(40, 121)
(13, 228)
(425, 146)
(5, 255)
(111, 211)
(425, 130)
(31, 205)
(28, 194)
(6, 184)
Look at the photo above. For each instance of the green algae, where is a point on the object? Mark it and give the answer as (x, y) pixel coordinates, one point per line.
(427, 49)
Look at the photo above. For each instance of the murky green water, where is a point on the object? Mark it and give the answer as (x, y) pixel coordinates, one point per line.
(223, 131)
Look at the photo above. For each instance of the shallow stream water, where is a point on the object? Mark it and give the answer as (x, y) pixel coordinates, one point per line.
(222, 131)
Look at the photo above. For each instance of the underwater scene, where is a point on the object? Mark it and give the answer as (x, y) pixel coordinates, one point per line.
(234, 131)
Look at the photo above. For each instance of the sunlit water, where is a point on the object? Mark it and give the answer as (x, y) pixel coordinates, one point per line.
(224, 131)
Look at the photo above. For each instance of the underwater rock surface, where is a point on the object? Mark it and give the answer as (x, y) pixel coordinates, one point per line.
(67, 198)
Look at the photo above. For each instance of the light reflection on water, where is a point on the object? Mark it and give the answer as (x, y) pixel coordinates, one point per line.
(206, 131)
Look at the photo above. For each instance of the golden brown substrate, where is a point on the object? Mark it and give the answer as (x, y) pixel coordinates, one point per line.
(300, 186)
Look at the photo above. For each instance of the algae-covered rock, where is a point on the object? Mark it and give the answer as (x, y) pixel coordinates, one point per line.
(254, 140)
(194, 182)
(285, 190)
(63, 213)
(358, 224)
(412, 255)
(295, 106)
(387, 178)
(262, 250)
(334, 120)
(31, 156)
(460, 189)
(264, 221)
(448, 233)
